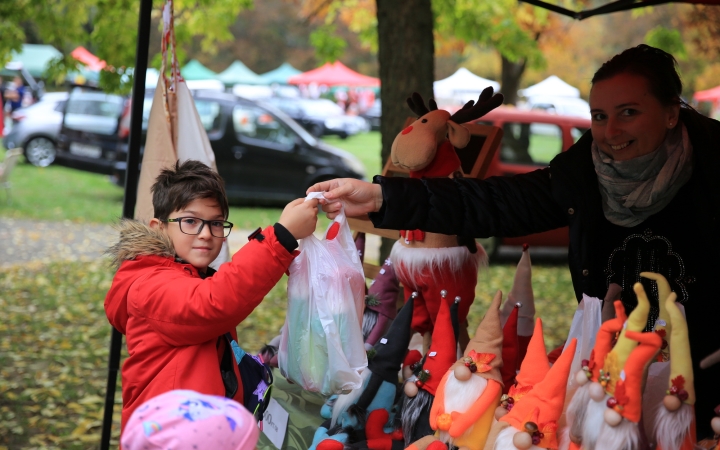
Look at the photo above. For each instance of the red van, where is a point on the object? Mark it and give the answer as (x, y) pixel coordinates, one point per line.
(531, 139)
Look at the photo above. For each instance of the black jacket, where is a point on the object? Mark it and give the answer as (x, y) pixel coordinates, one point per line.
(567, 193)
(564, 193)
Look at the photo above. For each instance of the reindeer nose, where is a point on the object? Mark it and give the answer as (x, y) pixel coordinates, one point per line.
(407, 130)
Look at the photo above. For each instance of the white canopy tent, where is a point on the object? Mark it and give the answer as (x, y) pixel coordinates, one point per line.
(461, 86)
(551, 86)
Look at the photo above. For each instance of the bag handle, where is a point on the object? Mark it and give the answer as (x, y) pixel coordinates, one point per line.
(339, 219)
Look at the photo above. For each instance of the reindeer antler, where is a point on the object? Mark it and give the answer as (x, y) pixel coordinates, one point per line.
(417, 104)
(485, 103)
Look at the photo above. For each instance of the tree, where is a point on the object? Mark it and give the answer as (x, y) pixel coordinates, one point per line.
(108, 28)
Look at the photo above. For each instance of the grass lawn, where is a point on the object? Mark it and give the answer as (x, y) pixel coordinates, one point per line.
(54, 341)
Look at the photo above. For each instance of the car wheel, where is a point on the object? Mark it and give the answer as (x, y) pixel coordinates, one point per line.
(40, 151)
(491, 246)
(316, 130)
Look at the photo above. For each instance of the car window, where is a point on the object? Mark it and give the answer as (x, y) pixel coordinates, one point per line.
(94, 112)
(256, 123)
(577, 133)
(530, 143)
(209, 112)
(60, 106)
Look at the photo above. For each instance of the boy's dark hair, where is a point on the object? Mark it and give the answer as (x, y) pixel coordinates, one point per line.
(658, 67)
(177, 187)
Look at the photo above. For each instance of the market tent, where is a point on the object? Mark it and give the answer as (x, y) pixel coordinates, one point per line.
(91, 61)
(462, 86)
(34, 58)
(551, 86)
(335, 74)
(238, 73)
(194, 70)
(281, 74)
(710, 95)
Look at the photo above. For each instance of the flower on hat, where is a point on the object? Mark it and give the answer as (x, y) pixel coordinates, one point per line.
(478, 362)
(678, 388)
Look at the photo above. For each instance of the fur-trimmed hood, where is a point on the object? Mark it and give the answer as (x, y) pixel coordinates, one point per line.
(137, 239)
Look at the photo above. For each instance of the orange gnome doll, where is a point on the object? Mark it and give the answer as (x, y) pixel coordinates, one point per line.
(532, 423)
(470, 391)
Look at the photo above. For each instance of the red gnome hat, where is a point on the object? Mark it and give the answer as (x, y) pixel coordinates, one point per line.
(442, 353)
(510, 349)
(533, 370)
(546, 400)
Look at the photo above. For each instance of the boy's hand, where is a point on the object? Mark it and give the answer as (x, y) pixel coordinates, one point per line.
(300, 217)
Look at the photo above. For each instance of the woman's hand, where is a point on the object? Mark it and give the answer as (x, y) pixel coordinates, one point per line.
(359, 197)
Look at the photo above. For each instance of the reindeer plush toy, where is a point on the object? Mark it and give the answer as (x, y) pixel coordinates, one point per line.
(428, 263)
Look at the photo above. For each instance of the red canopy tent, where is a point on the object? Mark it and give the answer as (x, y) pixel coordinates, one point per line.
(91, 61)
(335, 74)
(710, 95)
(611, 7)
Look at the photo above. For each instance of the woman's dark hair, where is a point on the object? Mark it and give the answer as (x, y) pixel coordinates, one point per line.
(658, 67)
(177, 187)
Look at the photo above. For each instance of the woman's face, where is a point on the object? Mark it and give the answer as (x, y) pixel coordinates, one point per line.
(627, 120)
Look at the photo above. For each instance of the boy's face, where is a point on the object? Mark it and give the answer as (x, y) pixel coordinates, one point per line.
(202, 249)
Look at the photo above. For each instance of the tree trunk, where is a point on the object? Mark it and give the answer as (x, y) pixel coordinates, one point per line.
(512, 73)
(406, 54)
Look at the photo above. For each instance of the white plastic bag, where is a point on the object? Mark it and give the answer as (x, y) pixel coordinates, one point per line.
(321, 347)
(585, 326)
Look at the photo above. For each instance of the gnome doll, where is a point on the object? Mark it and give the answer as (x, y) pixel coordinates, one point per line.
(427, 443)
(620, 428)
(419, 391)
(532, 423)
(588, 378)
(521, 295)
(590, 413)
(674, 424)
(533, 369)
(510, 349)
(380, 381)
(468, 394)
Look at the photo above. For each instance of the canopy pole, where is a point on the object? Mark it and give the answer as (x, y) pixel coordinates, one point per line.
(132, 174)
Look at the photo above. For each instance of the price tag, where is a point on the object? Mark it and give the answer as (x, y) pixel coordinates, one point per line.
(274, 423)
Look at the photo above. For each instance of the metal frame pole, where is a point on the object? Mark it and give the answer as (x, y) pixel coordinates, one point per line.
(132, 175)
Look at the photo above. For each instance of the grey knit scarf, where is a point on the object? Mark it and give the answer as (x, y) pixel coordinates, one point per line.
(635, 189)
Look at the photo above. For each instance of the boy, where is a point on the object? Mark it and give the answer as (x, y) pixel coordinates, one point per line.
(175, 310)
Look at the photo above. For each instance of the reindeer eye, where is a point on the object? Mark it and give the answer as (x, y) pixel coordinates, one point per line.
(424, 121)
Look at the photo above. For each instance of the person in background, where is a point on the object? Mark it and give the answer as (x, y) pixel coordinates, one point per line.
(639, 192)
(15, 94)
(189, 420)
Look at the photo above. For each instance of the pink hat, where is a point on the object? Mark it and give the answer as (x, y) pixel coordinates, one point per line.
(185, 419)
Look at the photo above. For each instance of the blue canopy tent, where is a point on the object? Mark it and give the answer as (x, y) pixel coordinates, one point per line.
(281, 74)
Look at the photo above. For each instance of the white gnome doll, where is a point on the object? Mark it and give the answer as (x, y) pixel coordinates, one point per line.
(470, 391)
(674, 424)
(587, 377)
(532, 423)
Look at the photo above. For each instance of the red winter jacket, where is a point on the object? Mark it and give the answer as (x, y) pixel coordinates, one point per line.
(174, 320)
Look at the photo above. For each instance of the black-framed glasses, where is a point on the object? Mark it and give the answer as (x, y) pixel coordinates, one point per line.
(194, 226)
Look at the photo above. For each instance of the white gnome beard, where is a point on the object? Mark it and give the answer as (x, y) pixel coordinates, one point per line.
(670, 428)
(594, 415)
(624, 436)
(575, 414)
(343, 402)
(370, 319)
(504, 440)
(460, 396)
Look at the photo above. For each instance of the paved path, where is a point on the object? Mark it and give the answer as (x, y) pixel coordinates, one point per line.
(24, 241)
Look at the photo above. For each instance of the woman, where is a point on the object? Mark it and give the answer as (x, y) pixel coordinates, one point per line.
(640, 192)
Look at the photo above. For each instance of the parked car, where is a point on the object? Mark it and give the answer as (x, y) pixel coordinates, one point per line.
(90, 135)
(36, 129)
(530, 140)
(320, 117)
(262, 154)
(372, 115)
